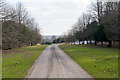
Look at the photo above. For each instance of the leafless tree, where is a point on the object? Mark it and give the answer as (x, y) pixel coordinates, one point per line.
(18, 28)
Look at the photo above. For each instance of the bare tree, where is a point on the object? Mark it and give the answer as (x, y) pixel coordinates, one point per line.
(18, 28)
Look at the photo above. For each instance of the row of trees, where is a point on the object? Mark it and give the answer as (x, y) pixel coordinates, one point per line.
(58, 40)
(18, 28)
(101, 24)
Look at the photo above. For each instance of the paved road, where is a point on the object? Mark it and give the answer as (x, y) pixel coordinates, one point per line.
(54, 63)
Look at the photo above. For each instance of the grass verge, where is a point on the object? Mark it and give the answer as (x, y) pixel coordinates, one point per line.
(99, 62)
(16, 62)
(0, 64)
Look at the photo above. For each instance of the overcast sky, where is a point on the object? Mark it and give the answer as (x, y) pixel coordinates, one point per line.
(54, 16)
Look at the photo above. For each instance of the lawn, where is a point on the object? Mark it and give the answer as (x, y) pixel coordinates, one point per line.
(99, 62)
(16, 62)
(0, 63)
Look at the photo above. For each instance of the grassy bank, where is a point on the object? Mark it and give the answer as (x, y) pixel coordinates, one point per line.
(99, 62)
(16, 62)
(0, 63)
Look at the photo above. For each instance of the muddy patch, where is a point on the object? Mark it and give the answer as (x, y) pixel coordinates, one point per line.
(8, 52)
(13, 53)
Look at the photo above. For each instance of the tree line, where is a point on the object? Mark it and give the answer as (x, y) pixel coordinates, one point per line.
(18, 28)
(101, 23)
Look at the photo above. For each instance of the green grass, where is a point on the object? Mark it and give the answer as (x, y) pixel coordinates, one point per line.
(0, 64)
(16, 62)
(99, 62)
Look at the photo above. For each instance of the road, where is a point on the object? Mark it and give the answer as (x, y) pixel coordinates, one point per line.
(55, 63)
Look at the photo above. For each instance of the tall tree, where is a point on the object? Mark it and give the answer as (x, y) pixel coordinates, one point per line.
(18, 28)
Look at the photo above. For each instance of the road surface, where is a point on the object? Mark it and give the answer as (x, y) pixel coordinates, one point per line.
(54, 63)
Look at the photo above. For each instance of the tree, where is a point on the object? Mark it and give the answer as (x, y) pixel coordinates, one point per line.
(101, 24)
(111, 21)
(107, 13)
(89, 31)
(70, 38)
(119, 24)
(99, 34)
(18, 28)
(79, 27)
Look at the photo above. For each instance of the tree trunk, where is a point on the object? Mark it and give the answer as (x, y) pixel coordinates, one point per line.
(79, 42)
(83, 42)
(87, 42)
(110, 43)
(119, 45)
(114, 43)
(31, 44)
(74, 42)
(95, 42)
(90, 42)
(102, 43)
